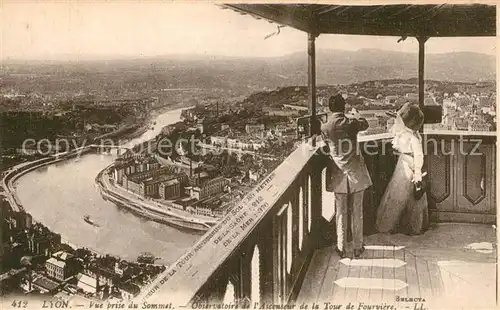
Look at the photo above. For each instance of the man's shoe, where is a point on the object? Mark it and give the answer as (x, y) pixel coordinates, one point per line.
(357, 253)
(340, 253)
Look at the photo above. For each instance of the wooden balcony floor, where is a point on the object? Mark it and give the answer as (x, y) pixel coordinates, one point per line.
(450, 265)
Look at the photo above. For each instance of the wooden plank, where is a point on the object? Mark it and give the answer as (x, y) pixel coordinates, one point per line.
(388, 273)
(436, 254)
(400, 273)
(315, 275)
(436, 280)
(413, 289)
(424, 279)
(328, 285)
(455, 288)
(449, 289)
(351, 293)
(377, 273)
(339, 291)
(366, 273)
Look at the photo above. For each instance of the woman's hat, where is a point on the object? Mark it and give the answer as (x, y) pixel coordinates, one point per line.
(412, 116)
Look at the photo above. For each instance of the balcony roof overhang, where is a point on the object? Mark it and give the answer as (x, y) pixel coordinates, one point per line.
(444, 20)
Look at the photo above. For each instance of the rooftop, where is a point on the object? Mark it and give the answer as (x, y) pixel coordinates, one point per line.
(86, 283)
(149, 160)
(216, 179)
(159, 179)
(201, 175)
(61, 255)
(123, 162)
(56, 262)
(46, 283)
(101, 271)
(130, 288)
(139, 176)
(431, 20)
(171, 182)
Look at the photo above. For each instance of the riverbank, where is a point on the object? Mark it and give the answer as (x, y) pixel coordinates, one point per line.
(154, 211)
(12, 175)
(162, 212)
(122, 133)
(59, 243)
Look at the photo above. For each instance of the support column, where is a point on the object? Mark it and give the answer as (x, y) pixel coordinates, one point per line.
(311, 52)
(421, 83)
(421, 67)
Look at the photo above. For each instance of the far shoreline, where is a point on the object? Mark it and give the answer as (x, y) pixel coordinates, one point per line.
(155, 113)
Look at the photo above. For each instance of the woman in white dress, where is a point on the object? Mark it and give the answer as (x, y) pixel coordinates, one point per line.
(399, 210)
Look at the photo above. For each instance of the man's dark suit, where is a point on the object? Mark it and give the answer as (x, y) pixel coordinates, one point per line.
(347, 175)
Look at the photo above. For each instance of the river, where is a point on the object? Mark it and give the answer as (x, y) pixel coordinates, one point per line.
(60, 195)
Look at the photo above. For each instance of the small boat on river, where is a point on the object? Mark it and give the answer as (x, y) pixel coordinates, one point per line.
(87, 219)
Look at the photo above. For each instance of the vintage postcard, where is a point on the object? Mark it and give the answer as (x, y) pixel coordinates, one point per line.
(229, 155)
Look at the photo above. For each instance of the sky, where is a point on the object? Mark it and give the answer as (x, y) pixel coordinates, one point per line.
(131, 28)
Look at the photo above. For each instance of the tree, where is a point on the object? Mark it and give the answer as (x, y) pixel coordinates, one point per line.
(232, 160)
(247, 160)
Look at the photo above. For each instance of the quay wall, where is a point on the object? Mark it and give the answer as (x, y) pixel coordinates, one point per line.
(21, 169)
(181, 222)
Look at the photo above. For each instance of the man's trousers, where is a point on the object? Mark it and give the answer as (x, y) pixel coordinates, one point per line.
(349, 204)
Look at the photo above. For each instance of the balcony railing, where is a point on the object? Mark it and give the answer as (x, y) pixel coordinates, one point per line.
(260, 251)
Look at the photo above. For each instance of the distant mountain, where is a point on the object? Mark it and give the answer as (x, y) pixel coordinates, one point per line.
(344, 67)
(248, 74)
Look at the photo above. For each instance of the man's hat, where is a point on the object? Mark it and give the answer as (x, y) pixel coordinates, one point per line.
(412, 116)
(336, 101)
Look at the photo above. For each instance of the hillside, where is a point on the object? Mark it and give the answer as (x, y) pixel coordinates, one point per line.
(243, 75)
(345, 67)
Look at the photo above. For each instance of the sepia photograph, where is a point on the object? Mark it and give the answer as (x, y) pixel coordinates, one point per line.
(314, 155)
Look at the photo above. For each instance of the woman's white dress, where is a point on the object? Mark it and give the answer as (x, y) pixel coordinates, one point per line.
(399, 211)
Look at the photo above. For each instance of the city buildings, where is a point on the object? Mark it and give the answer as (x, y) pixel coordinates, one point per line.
(144, 176)
(469, 112)
(59, 266)
(147, 183)
(241, 142)
(209, 188)
(44, 285)
(296, 107)
(128, 290)
(286, 112)
(55, 268)
(255, 129)
(170, 189)
(392, 99)
(412, 97)
(86, 283)
(102, 274)
(170, 183)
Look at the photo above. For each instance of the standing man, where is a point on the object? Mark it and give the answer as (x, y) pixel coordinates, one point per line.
(347, 175)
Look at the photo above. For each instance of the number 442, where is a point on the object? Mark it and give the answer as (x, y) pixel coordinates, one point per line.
(19, 304)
